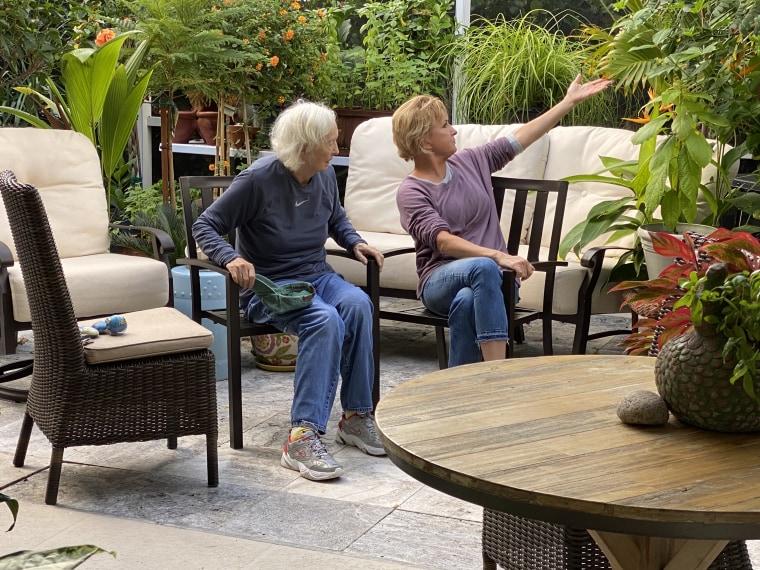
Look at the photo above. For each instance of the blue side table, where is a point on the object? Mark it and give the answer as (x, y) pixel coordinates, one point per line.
(212, 286)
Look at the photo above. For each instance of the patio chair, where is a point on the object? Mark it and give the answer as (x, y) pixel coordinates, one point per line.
(154, 381)
(231, 316)
(516, 543)
(65, 168)
(544, 201)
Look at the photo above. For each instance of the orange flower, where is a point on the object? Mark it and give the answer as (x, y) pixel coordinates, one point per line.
(323, 56)
(227, 2)
(321, 13)
(262, 35)
(644, 119)
(258, 67)
(281, 99)
(302, 19)
(283, 12)
(288, 35)
(104, 36)
(296, 6)
(212, 166)
(274, 61)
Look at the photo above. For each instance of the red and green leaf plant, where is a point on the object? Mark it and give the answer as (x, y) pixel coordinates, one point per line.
(669, 305)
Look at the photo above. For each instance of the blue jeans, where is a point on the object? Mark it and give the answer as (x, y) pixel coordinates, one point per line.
(334, 339)
(469, 292)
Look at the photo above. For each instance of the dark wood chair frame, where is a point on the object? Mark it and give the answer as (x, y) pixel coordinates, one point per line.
(544, 190)
(231, 317)
(592, 260)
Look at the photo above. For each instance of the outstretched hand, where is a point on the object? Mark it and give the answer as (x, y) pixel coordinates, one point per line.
(579, 91)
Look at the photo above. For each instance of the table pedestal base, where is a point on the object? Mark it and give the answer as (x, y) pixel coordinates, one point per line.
(635, 552)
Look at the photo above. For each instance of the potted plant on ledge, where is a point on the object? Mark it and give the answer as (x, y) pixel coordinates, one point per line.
(400, 56)
(703, 325)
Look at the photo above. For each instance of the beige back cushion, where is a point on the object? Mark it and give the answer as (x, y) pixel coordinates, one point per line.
(376, 170)
(576, 150)
(64, 166)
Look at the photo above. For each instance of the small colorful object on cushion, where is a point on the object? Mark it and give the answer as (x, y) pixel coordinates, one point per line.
(115, 324)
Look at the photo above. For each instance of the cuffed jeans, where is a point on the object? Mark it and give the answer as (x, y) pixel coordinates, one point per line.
(334, 339)
(469, 292)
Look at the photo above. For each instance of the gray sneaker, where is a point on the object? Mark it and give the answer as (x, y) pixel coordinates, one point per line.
(309, 456)
(359, 430)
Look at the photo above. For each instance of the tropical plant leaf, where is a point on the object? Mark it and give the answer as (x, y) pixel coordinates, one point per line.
(670, 246)
(62, 558)
(12, 505)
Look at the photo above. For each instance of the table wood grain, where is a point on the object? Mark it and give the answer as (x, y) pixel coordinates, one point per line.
(540, 438)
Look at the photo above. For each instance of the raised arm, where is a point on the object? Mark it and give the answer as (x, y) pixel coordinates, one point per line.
(577, 92)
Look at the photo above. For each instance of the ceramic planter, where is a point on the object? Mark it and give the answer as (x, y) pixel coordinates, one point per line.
(654, 261)
(276, 352)
(693, 379)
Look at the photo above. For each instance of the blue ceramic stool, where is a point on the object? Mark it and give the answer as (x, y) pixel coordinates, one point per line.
(212, 285)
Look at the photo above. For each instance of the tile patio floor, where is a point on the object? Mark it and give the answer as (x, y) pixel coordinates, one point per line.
(151, 505)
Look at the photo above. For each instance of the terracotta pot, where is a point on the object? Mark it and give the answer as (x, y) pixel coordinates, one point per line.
(236, 135)
(185, 129)
(349, 119)
(207, 121)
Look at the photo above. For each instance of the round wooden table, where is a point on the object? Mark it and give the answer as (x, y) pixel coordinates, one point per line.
(540, 438)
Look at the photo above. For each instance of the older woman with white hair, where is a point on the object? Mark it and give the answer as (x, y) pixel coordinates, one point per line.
(284, 207)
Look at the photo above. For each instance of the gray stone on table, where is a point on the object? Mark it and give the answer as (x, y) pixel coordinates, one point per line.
(643, 407)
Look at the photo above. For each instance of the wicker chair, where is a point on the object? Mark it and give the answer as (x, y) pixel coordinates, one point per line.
(152, 390)
(516, 543)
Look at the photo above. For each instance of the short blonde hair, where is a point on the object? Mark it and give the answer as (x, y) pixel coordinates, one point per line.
(302, 127)
(412, 123)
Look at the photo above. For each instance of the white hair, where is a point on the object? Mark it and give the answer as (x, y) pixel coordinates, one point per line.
(300, 128)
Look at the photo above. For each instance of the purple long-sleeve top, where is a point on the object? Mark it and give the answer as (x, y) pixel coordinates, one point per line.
(462, 204)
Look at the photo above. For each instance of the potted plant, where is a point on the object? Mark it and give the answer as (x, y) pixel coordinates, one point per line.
(513, 70)
(700, 63)
(703, 325)
(700, 66)
(655, 203)
(400, 56)
(187, 50)
(100, 98)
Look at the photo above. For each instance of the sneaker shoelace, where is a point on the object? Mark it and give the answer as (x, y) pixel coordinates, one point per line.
(370, 424)
(317, 447)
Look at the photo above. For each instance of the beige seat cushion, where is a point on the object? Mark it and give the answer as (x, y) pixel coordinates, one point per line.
(149, 333)
(102, 284)
(398, 272)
